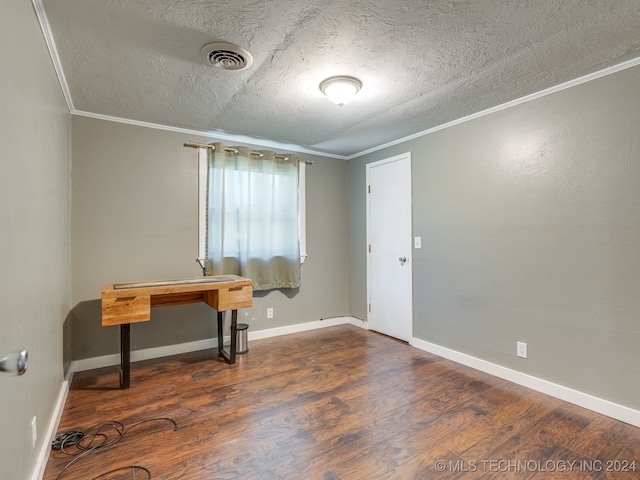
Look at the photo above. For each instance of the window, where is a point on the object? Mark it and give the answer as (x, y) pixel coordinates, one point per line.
(251, 215)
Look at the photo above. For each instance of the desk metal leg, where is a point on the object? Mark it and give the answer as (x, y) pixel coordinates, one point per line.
(234, 336)
(125, 354)
(229, 357)
(220, 336)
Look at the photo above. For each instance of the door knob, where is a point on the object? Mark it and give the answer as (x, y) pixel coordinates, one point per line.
(15, 363)
(402, 260)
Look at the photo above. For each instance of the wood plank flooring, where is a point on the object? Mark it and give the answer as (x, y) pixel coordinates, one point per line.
(335, 404)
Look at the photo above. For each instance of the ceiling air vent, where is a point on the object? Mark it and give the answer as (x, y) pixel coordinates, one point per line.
(226, 56)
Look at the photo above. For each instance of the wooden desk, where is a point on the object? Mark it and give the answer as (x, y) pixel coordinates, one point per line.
(127, 303)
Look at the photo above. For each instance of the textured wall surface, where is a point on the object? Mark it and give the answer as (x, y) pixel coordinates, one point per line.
(135, 218)
(530, 224)
(35, 223)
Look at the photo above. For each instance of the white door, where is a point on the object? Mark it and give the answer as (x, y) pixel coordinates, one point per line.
(389, 256)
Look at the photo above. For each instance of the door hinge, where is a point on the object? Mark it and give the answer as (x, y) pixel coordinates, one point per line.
(369, 308)
(369, 188)
(369, 248)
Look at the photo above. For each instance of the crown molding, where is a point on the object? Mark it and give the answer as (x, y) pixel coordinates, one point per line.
(53, 51)
(214, 135)
(542, 93)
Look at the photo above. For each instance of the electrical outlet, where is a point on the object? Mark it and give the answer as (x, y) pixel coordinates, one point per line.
(521, 349)
(269, 312)
(34, 432)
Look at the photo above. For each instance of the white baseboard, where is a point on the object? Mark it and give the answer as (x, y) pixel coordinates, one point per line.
(52, 429)
(300, 327)
(144, 354)
(605, 407)
(167, 350)
(358, 322)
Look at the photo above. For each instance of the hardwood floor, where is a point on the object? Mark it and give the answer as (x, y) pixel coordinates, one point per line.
(334, 404)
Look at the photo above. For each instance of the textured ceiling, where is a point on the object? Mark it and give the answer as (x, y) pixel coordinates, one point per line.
(422, 63)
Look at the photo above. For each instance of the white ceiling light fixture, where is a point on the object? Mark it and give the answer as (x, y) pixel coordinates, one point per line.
(340, 90)
(226, 56)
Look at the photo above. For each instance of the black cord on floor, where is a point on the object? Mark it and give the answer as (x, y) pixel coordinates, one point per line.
(67, 439)
(100, 435)
(130, 467)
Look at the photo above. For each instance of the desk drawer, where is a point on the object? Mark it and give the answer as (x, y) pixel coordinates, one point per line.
(119, 310)
(231, 298)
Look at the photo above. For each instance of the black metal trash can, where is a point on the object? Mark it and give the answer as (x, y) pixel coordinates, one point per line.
(242, 345)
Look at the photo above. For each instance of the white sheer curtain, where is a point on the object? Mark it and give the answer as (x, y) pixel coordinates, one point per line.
(252, 216)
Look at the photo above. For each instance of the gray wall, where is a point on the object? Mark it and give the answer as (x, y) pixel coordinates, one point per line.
(135, 218)
(35, 216)
(529, 217)
(530, 222)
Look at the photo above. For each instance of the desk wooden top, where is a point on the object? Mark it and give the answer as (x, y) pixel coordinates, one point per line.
(131, 302)
(175, 285)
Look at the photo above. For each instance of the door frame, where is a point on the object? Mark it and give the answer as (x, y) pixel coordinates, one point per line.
(369, 166)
